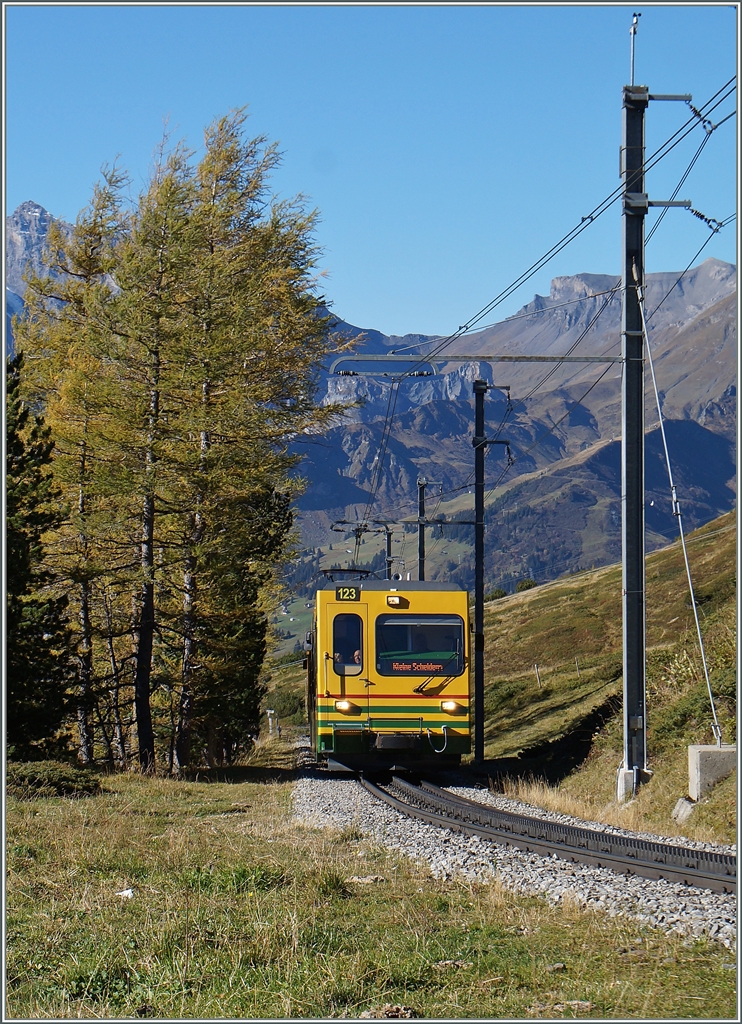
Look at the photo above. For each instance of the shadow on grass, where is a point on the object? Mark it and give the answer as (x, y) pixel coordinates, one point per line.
(249, 773)
(552, 761)
(242, 773)
(539, 705)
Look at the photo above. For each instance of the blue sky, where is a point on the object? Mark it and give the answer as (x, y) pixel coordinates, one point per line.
(446, 147)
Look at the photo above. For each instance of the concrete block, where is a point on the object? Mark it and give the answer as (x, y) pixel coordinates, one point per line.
(683, 809)
(708, 765)
(625, 782)
(624, 785)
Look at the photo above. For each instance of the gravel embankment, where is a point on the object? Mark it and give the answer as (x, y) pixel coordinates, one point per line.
(340, 803)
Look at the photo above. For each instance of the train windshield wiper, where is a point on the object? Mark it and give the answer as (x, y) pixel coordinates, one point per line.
(420, 688)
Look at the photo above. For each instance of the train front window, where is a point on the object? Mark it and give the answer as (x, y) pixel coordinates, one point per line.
(347, 644)
(430, 645)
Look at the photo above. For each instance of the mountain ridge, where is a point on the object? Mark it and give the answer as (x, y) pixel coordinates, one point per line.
(559, 411)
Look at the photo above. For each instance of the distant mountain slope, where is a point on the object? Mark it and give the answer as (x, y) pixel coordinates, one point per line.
(695, 365)
(13, 306)
(682, 320)
(563, 493)
(569, 517)
(564, 427)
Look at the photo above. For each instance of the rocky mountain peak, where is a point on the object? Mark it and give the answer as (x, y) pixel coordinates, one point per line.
(29, 209)
(579, 286)
(25, 232)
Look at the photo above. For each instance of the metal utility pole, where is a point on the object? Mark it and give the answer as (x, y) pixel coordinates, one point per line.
(389, 558)
(633, 769)
(635, 101)
(480, 444)
(422, 483)
(632, 32)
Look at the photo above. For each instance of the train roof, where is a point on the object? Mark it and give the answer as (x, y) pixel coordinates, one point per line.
(396, 585)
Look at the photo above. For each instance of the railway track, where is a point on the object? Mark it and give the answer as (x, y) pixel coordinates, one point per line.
(619, 853)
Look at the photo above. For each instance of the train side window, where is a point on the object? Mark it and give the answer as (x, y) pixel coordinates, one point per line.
(347, 644)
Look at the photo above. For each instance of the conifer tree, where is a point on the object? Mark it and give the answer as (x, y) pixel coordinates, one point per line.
(67, 340)
(238, 377)
(254, 337)
(178, 351)
(152, 261)
(39, 668)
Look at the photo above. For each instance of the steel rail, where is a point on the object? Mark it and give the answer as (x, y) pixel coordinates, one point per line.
(620, 854)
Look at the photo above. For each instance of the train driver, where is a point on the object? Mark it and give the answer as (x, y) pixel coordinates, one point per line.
(346, 640)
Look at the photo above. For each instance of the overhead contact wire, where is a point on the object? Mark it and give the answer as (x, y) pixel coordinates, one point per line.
(690, 125)
(698, 118)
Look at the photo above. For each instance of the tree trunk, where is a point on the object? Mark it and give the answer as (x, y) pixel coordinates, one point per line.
(106, 738)
(85, 731)
(196, 532)
(212, 749)
(183, 733)
(118, 727)
(145, 642)
(86, 751)
(183, 737)
(146, 614)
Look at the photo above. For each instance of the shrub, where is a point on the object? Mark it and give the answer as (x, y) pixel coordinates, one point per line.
(288, 703)
(495, 594)
(244, 878)
(524, 585)
(50, 778)
(109, 984)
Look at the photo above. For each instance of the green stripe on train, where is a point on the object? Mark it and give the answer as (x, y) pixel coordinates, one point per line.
(326, 726)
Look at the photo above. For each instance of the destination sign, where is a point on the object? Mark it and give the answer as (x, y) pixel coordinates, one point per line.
(410, 667)
(347, 593)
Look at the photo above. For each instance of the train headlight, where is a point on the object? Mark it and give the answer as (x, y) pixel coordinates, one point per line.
(343, 705)
(393, 600)
(451, 706)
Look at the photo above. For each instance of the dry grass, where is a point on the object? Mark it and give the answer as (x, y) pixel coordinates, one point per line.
(581, 618)
(708, 824)
(238, 911)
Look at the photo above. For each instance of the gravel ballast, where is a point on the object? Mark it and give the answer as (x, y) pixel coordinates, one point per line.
(341, 803)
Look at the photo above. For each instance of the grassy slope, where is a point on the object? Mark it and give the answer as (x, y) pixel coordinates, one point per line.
(238, 911)
(581, 617)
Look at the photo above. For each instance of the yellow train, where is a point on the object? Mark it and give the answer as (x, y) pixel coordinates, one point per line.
(388, 674)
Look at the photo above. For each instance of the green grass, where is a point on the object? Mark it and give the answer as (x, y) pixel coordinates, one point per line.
(581, 617)
(239, 911)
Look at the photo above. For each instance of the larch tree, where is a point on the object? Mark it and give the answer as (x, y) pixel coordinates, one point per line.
(65, 336)
(153, 259)
(254, 337)
(179, 354)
